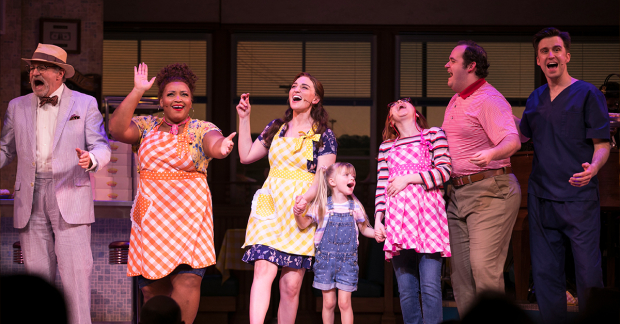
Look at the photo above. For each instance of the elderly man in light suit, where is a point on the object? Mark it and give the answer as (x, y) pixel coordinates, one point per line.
(56, 134)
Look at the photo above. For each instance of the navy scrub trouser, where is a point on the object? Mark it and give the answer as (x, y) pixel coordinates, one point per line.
(551, 224)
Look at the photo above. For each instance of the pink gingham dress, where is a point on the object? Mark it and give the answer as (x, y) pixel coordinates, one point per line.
(415, 218)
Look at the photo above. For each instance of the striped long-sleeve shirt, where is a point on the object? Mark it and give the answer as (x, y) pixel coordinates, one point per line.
(441, 163)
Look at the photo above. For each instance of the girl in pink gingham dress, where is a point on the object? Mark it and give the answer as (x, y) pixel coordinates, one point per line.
(413, 164)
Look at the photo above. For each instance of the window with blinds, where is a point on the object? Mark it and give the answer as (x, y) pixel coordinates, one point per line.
(511, 70)
(593, 62)
(120, 57)
(266, 69)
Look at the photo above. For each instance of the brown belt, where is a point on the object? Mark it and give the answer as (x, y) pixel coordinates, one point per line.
(461, 181)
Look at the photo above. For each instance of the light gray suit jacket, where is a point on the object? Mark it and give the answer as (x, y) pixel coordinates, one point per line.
(72, 184)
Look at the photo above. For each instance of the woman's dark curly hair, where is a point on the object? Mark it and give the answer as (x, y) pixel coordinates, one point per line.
(177, 72)
(318, 113)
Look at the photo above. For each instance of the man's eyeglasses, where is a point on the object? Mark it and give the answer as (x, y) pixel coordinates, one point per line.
(42, 68)
(391, 104)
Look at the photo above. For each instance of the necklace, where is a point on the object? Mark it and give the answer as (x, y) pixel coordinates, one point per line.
(174, 128)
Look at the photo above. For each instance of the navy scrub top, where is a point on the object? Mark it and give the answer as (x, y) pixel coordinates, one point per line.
(562, 133)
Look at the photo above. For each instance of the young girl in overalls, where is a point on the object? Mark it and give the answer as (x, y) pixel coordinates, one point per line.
(413, 164)
(337, 212)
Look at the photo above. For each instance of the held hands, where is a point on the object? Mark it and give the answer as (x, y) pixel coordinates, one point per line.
(84, 158)
(583, 178)
(244, 107)
(379, 232)
(227, 144)
(482, 158)
(300, 205)
(396, 185)
(140, 78)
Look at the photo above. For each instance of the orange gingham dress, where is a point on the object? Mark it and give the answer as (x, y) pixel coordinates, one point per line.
(172, 219)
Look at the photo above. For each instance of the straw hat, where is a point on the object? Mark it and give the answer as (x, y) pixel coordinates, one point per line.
(52, 54)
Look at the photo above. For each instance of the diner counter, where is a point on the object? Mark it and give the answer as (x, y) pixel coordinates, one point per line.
(103, 208)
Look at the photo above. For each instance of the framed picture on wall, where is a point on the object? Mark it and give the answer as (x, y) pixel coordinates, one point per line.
(64, 33)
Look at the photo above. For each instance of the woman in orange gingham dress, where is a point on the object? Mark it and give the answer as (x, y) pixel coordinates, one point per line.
(172, 223)
(297, 145)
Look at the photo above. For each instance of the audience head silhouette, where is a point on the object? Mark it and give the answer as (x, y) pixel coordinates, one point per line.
(27, 299)
(161, 310)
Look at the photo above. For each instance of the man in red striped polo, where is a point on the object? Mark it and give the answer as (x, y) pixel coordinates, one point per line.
(485, 198)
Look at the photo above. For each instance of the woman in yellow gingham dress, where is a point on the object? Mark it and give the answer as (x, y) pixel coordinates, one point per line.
(296, 145)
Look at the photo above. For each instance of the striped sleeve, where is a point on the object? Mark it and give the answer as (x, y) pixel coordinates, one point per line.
(382, 177)
(441, 162)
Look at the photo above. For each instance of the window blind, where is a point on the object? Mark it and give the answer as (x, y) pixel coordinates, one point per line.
(592, 62)
(119, 58)
(511, 70)
(342, 67)
(267, 68)
(262, 67)
(159, 53)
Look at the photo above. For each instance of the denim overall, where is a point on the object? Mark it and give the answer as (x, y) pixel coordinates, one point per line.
(336, 256)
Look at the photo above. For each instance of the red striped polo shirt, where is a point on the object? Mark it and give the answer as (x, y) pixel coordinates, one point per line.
(477, 119)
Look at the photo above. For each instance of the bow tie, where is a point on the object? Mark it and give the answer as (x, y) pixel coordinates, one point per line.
(308, 147)
(51, 100)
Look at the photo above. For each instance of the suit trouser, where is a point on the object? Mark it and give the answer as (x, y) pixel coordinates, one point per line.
(552, 224)
(481, 217)
(47, 240)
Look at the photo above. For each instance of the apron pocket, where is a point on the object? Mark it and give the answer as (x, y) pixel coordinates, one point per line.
(263, 206)
(140, 208)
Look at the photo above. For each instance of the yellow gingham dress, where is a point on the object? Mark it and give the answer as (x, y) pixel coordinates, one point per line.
(272, 222)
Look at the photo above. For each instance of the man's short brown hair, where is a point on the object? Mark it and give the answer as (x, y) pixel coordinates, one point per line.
(475, 53)
(551, 32)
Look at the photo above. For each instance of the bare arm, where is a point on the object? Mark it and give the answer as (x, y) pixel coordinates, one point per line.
(599, 158)
(121, 126)
(248, 152)
(379, 228)
(303, 221)
(217, 146)
(505, 149)
(366, 230)
(301, 201)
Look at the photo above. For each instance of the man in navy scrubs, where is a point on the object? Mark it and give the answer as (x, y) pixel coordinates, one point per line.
(568, 122)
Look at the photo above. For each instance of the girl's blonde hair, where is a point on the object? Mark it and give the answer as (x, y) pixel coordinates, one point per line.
(325, 189)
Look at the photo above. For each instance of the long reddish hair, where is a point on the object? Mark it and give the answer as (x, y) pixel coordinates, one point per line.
(391, 133)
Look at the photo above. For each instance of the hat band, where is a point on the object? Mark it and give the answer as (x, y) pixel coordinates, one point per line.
(47, 57)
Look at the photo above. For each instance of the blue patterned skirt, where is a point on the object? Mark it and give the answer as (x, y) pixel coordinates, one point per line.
(279, 258)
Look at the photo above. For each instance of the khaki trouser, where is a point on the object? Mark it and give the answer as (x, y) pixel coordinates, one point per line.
(481, 216)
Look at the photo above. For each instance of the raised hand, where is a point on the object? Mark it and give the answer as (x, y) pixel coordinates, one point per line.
(244, 107)
(228, 144)
(84, 158)
(140, 78)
